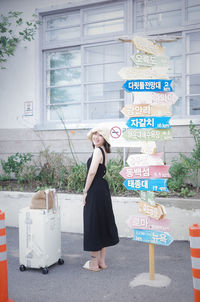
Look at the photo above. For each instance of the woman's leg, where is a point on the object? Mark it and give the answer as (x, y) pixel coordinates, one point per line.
(94, 261)
(102, 258)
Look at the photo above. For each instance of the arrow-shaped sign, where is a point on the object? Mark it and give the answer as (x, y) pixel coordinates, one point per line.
(145, 159)
(142, 110)
(155, 237)
(156, 211)
(145, 172)
(148, 134)
(147, 46)
(147, 85)
(133, 73)
(156, 185)
(143, 59)
(148, 223)
(157, 122)
(164, 98)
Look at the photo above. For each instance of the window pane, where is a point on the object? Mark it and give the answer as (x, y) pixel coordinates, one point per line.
(106, 27)
(154, 6)
(69, 58)
(60, 77)
(194, 105)
(193, 63)
(64, 94)
(63, 21)
(193, 14)
(175, 66)
(63, 34)
(69, 112)
(106, 91)
(104, 54)
(139, 7)
(177, 108)
(193, 84)
(193, 42)
(139, 23)
(192, 2)
(103, 13)
(103, 73)
(162, 20)
(105, 110)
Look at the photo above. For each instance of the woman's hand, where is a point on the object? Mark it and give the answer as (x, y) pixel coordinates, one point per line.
(84, 198)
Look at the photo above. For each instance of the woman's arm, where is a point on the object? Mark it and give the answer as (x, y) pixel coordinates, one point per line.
(96, 159)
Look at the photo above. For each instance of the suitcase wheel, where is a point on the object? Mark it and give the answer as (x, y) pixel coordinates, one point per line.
(22, 268)
(60, 261)
(45, 270)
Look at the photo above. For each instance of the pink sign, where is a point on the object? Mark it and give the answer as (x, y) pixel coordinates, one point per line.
(155, 98)
(148, 223)
(145, 172)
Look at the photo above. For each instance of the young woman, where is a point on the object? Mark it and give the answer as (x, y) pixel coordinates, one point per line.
(100, 230)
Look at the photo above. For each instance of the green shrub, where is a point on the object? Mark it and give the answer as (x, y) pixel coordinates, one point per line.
(15, 164)
(178, 172)
(76, 178)
(115, 180)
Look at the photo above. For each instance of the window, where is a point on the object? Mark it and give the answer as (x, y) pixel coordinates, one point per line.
(82, 55)
(193, 72)
(81, 79)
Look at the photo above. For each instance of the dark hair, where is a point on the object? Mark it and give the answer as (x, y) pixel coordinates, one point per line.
(106, 146)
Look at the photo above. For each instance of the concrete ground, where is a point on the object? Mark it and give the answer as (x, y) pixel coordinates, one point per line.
(126, 261)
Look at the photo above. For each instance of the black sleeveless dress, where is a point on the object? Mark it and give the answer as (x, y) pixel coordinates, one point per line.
(99, 223)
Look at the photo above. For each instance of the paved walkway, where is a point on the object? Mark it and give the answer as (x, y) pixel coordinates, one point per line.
(71, 283)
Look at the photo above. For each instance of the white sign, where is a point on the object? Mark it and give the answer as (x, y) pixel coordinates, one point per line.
(131, 73)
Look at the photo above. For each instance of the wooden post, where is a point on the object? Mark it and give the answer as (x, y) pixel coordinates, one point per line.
(151, 262)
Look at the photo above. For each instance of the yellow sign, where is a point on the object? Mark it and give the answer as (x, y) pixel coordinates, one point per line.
(132, 73)
(146, 110)
(147, 46)
(154, 211)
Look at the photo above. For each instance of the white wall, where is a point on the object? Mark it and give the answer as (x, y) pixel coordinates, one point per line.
(18, 82)
(182, 213)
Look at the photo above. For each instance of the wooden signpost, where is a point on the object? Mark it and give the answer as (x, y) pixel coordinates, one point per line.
(158, 122)
(147, 46)
(164, 98)
(148, 122)
(148, 134)
(154, 237)
(145, 172)
(148, 223)
(146, 110)
(130, 73)
(145, 159)
(147, 60)
(147, 85)
(157, 185)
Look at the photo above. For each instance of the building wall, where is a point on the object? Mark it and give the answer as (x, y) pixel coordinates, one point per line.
(19, 85)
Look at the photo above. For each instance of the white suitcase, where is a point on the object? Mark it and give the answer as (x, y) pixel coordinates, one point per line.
(39, 237)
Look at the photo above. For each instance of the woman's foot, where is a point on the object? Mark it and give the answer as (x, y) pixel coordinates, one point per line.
(102, 265)
(92, 265)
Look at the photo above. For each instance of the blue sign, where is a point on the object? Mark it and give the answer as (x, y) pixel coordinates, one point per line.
(158, 122)
(148, 85)
(151, 236)
(155, 185)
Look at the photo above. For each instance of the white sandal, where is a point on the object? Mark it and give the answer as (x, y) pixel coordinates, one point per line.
(88, 267)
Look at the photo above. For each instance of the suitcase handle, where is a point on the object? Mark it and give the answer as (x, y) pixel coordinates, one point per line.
(55, 204)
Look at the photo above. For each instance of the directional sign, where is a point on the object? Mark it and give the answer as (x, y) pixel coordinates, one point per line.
(142, 59)
(148, 134)
(155, 211)
(145, 159)
(155, 237)
(131, 73)
(147, 46)
(148, 196)
(146, 110)
(148, 85)
(157, 185)
(148, 223)
(168, 98)
(158, 122)
(145, 172)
